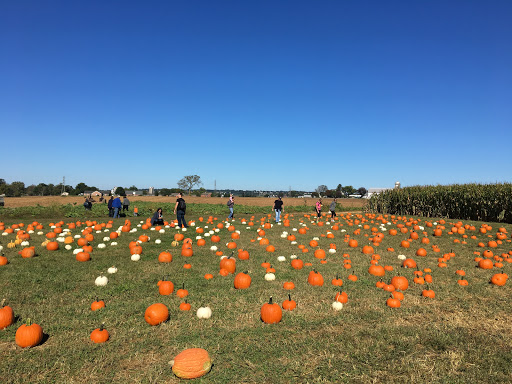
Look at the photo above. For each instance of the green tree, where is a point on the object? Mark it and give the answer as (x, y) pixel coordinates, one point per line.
(17, 188)
(164, 192)
(120, 191)
(348, 190)
(189, 182)
(132, 188)
(338, 193)
(199, 191)
(362, 191)
(294, 193)
(80, 188)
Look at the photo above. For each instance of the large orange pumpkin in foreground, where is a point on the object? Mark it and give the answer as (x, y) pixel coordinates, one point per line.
(156, 314)
(191, 363)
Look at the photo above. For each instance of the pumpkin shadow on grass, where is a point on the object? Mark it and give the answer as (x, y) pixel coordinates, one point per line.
(45, 338)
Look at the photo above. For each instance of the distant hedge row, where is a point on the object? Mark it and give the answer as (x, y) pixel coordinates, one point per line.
(482, 202)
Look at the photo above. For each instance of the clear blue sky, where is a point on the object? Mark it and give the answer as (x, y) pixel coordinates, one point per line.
(256, 94)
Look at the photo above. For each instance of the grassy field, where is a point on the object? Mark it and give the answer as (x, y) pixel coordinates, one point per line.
(463, 335)
(56, 207)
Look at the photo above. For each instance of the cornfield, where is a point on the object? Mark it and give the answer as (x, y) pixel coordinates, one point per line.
(481, 202)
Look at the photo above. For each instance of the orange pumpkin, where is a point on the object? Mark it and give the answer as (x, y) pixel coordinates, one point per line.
(191, 363)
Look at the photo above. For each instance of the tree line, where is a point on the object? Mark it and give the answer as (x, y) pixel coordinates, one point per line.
(186, 184)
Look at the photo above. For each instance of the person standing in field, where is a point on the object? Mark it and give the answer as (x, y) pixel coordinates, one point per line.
(126, 204)
(135, 211)
(318, 209)
(116, 204)
(332, 208)
(179, 210)
(110, 208)
(278, 207)
(231, 203)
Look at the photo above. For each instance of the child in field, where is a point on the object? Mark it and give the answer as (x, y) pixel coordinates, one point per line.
(135, 211)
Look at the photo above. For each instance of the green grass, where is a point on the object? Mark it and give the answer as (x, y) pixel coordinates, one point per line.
(464, 335)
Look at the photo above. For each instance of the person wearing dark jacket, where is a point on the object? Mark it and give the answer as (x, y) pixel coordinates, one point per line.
(179, 210)
(157, 218)
(278, 207)
(116, 204)
(110, 209)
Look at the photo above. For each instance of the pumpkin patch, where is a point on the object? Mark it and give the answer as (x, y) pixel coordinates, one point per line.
(380, 268)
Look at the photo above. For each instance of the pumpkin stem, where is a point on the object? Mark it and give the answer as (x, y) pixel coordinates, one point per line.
(102, 326)
(183, 286)
(289, 297)
(270, 301)
(28, 322)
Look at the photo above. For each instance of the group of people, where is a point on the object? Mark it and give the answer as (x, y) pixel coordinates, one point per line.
(179, 210)
(278, 208)
(318, 209)
(115, 205)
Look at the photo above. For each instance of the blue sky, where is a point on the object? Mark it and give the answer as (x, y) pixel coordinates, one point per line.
(256, 95)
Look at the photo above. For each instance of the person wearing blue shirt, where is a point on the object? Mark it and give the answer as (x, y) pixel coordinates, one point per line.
(116, 204)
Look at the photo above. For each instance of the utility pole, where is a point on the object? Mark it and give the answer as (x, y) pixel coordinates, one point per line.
(215, 187)
(63, 189)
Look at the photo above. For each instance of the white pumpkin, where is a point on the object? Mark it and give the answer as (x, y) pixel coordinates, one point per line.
(332, 250)
(68, 247)
(106, 238)
(39, 233)
(1, 248)
(60, 239)
(113, 243)
(184, 229)
(213, 248)
(135, 257)
(270, 276)
(25, 243)
(293, 242)
(281, 258)
(151, 229)
(112, 270)
(101, 281)
(337, 306)
(77, 250)
(162, 231)
(293, 256)
(402, 257)
(77, 236)
(204, 312)
(158, 241)
(101, 245)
